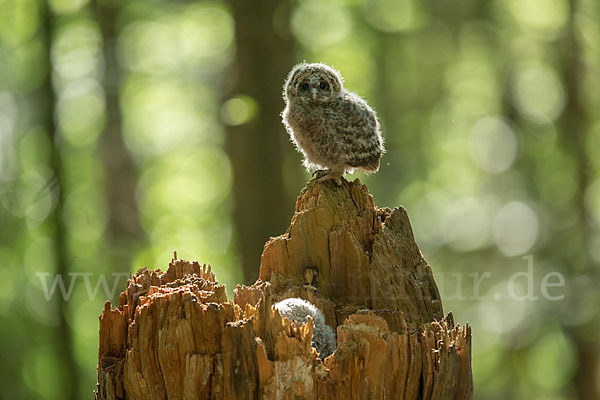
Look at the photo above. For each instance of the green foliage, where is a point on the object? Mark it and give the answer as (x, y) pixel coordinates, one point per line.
(487, 149)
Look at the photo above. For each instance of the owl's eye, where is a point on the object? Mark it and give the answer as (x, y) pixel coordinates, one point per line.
(324, 86)
(304, 86)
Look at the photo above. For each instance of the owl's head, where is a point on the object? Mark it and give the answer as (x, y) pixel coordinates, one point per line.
(312, 83)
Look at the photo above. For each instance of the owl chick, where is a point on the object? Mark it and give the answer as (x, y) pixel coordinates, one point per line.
(335, 129)
(296, 309)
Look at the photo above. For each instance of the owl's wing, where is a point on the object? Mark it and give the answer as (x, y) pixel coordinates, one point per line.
(359, 133)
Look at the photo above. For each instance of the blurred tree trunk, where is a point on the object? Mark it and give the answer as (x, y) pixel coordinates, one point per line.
(262, 61)
(63, 335)
(574, 126)
(123, 228)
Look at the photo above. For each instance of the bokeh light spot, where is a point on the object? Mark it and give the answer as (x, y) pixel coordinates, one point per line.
(394, 15)
(354, 56)
(76, 52)
(515, 228)
(551, 360)
(542, 18)
(186, 185)
(66, 6)
(493, 145)
(27, 65)
(537, 92)
(150, 47)
(467, 223)
(206, 31)
(161, 116)
(239, 110)
(81, 112)
(320, 24)
(501, 316)
(19, 21)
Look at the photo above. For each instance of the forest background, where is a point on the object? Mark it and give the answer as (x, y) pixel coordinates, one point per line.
(130, 129)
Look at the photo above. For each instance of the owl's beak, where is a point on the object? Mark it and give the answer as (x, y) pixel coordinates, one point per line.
(314, 92)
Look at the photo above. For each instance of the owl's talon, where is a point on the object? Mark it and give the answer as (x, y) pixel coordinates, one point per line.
(330, 176)
(319, 173)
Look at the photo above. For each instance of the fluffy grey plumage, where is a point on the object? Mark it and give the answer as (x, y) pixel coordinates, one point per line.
(333, 128)
(296, 309)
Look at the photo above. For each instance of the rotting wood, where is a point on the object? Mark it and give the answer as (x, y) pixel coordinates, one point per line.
(175, 335)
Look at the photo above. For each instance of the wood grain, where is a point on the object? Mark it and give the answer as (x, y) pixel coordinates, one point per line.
(175, 334)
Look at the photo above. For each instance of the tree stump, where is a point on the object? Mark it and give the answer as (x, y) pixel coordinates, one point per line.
(175, 335)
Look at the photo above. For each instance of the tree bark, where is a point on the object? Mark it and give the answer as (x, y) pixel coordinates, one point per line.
(175, 335)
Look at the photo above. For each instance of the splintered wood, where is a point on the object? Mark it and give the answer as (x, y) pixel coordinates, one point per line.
(175, 335)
